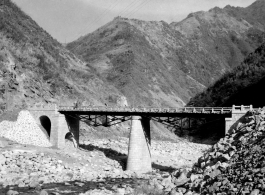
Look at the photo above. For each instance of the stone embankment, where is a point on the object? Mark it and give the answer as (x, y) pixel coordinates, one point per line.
(235, 165)
(24, 131)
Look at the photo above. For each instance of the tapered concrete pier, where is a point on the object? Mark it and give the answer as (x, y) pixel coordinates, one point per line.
(139, 154)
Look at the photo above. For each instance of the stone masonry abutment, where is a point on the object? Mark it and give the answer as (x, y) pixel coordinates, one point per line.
(60, 124)
(238, 113)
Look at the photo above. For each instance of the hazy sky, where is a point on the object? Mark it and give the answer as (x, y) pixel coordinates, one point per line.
(66, 20)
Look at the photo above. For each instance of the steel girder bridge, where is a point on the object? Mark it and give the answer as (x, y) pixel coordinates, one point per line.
(66, 118)
(172, 118)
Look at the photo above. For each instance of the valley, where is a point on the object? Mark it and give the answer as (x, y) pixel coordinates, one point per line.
(211, 58)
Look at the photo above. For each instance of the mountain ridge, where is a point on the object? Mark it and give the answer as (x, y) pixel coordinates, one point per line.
(168, 63)
(37, 68)
(238, 86)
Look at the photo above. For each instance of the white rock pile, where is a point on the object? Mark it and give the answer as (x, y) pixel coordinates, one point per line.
(24, 131)
(31, 169)
(24, 168)
(235, 165)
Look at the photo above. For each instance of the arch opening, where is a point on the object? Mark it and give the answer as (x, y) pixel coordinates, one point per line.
(46, 124)
(70, 140)
(68, 136)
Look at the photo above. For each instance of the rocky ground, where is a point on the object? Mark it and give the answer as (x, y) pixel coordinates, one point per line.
(234, 165)
(96, 167)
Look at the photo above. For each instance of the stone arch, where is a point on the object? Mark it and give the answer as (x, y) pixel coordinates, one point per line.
(46, 124)
(70, 140)
(68, 135)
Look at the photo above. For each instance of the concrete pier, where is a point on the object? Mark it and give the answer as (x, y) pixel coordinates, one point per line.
(139, 154)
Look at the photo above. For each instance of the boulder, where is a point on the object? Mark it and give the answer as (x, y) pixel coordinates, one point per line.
(2, 159)
(43, 192)
(255, 192)
(3, 143)
(181, 180)
(12, 192)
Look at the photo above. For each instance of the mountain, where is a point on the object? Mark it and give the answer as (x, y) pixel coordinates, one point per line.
(123, 55)
(160, 64)
(36, 68)
(254, 14)
(242, 86)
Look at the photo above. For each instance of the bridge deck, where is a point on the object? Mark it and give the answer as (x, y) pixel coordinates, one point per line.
(126, 111)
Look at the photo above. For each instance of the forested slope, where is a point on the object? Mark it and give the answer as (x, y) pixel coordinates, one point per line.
(244, 85)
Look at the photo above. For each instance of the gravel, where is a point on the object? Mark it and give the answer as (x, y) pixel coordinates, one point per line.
(235, 165)
(24, 131)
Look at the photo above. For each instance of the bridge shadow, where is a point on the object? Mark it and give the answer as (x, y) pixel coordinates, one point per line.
(109, 153)
(163, 168)
(122, 158)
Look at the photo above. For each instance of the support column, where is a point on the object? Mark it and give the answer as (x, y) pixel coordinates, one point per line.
(62, 125)
(73, 126)
(139, 154)
(60, 128)
(105, 121)
(228, 124)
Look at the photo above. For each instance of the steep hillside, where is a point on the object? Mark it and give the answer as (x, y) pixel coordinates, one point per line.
(254, 14)
(123, 54)
(36, 68)
(227, 37)
(242, 86)
(160, 64)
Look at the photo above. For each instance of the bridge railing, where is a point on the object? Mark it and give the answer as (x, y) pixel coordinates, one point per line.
(218, 110)
(242, 108)
(207, 109)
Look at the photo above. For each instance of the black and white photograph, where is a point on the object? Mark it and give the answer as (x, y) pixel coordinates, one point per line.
(132, 97)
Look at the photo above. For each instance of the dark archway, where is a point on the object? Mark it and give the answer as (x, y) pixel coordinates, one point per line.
(46, 124)
(68, 136)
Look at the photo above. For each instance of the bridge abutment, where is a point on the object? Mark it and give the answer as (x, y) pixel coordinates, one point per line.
(60, 124)
(238, 112)
(139, 154)
(63, 125)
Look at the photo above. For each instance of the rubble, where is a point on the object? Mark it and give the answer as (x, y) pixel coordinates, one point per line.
(235, 165)
(24, 131)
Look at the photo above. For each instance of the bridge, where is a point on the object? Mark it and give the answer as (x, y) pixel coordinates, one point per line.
(58, 121)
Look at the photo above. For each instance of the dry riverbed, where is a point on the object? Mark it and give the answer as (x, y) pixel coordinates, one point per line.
(96, 168)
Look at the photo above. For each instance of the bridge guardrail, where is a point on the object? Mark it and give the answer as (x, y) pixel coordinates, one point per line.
(242, 107)
(211, 110)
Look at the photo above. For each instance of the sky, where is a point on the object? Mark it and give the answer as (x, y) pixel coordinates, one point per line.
(67, 20)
